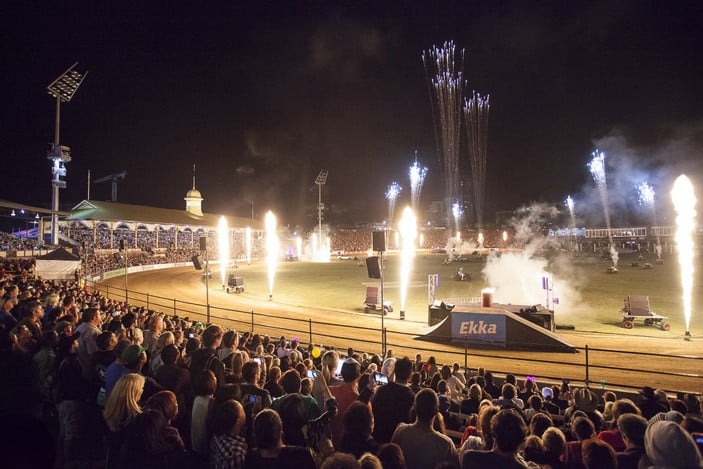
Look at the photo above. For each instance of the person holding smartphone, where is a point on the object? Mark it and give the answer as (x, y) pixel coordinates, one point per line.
(250, 386)
(345, 394)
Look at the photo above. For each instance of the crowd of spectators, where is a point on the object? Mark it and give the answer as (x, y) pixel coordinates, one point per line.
(91, 382)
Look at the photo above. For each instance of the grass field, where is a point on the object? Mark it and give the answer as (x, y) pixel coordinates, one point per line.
(340, 285)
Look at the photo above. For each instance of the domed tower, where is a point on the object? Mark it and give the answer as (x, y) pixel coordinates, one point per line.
(194, 200)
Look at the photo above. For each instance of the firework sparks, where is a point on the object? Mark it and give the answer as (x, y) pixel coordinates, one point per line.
(417, 175)
(476, 112)
(408, 233)
(597, 168)
(645, 194)
(685, 204)
(223, 248)
(443, 67)
(392, 194)
(272, 249)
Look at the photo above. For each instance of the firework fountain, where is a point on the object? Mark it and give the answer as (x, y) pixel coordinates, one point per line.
(272, 249)
(457, 213)
(476, 112)
(417, 175)
(408, 233)
(569, 203)
(646, 194)
(597, 168)
(247, 243)
(446, 88)
(685, 204)
(223, 248)
(392, 194)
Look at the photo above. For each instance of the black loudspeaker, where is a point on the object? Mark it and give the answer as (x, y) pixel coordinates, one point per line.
(197, 263)
(123, 245)
(203, 243)
(379, 241)
(373, 267)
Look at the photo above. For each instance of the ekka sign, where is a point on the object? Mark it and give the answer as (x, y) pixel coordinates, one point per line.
(478, 328)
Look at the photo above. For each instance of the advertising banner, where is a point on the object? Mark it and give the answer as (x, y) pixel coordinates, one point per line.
(479, 328)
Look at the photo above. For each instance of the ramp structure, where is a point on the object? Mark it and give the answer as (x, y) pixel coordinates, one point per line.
(516, 327)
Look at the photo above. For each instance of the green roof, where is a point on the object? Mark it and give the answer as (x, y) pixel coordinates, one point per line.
(115, 212)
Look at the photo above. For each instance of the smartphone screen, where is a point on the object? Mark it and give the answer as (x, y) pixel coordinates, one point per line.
(338, 371)
(311, 374)
(253, 398)
(380, 378)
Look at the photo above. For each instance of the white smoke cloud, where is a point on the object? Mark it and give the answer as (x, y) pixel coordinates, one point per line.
(517, 276)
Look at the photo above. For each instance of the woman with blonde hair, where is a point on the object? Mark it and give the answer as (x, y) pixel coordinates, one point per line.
(156, 362)
(233, 367)
(121, 407)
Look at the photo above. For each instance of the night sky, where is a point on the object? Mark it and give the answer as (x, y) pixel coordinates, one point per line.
(261, 96)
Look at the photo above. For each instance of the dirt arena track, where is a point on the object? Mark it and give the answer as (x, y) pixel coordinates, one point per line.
(342, 328)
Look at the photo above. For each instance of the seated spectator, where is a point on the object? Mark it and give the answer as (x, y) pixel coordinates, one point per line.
(554, 445)
(508, 398)
(509, 432)
(269, 450)
(454, 384)
(228, 447)
(547, 396)
(422, 445)
(667, 444)
(539, 423)
(482, 438)
(356, 434)
(581, 428)
(597, 454)
(470, 404)
(650, 404)
(341, 461)
(535, 406)
(613, 437)
(391, 456)
(632, 428)
(586, 401)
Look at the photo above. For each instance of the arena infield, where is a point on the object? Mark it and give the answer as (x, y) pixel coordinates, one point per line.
(327, 299)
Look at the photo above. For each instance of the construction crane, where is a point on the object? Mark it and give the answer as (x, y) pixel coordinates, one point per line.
(112, 177)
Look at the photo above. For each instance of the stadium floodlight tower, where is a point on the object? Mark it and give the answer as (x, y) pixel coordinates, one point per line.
(320, 181)
(63, 89)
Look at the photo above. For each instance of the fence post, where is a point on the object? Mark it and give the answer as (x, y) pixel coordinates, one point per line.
(466, 356)
(587, 370)
(174, 306)
(147, 301)
(252, 321)
(383, 342)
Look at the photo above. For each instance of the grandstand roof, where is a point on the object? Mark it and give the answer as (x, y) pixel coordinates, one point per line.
(115, 212)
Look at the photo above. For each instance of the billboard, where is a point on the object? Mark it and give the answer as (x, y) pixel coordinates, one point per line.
(479, 328)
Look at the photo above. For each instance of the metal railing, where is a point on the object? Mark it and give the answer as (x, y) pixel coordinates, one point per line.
(373, 340)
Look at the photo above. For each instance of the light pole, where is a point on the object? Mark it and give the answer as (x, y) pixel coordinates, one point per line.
(63, 89)
(320, 181)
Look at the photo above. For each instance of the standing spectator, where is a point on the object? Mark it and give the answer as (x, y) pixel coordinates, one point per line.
(272, 384)
(120, 409)
(206, 357)
(356, 434)
(391, 402)
(175, 377)
(250, 386)
(156, 361)
(227, 447)
(155, 327)
(70, 395)
(205, 385)
(148, 443)
(166, 403)
(269, 451)
(345, 394)
(116, 369)
(422, 445)
(391, 456)
(89, 329)
(291, 385)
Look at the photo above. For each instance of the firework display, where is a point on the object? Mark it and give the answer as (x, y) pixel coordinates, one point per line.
(476, 110)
